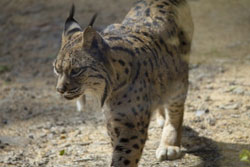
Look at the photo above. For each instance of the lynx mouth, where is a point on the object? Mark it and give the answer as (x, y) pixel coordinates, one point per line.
(74, 90)
(71, 97)
(72, 94)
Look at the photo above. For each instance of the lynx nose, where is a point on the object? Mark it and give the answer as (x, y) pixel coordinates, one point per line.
(61, 89)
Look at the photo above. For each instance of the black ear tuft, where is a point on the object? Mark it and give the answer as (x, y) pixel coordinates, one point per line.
(71, 25)
(72, 12)
(92, 21)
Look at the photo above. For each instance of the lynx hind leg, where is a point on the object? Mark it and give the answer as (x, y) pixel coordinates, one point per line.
(80, 103)
(169, 147)
(160, 116)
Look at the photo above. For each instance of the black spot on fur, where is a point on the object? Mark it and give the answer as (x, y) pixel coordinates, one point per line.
(136, 38)
(158, 46)
(160, 6)
(118, 148)
(121, 62)
(130, 64)
(176, 2)
(151, 64)
(134, 137)
(159, 18)
(117, 76)
(165, 3)
(128, 151)
(142, 131)
(117, 120)
(136, 146)
(137, 72)
(143, 49)
(134, 111)
(123, 49)
(145, 34)
(162, 11)
(124, 140)
(129, 125)
(122, 114)
(114, 38)
(126, 162)
(142, 141)
(126, 70)
(137, 50)
(117, 132)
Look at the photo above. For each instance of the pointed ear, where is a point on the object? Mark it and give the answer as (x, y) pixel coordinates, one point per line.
(71, 25)
(91, 38)
(89, 35)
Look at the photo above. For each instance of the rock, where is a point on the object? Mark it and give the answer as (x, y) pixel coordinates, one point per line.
(247, 93)
(211, 121)
(210, 87)
(43, 162)
(234, 106)
(228, 90)
(222, 70)
(235, 116)
(201, 112)
(208, 99)
(5, 121)
(238, 91)
(77, 133)
(198, 119)
(51, 136)
(60, 123)
(31, 136)
(232, 83)
(202, 127)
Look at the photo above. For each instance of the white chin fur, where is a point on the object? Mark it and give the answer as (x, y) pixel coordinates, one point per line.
(79, 105)
(55, 71)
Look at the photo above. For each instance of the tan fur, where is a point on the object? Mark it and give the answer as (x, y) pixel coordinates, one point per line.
(133, 68)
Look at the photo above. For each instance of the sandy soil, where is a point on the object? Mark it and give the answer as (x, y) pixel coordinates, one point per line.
(37, 125)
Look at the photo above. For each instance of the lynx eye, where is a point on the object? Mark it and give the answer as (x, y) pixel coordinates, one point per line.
(76, 72)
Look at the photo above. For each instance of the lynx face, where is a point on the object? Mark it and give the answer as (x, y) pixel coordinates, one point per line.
(81, 65)
(73, 73)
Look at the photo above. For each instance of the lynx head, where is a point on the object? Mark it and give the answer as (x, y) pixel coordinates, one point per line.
(82, 65)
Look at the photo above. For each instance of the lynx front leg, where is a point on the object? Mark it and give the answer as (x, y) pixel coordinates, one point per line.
(169, 147)
(128, 134)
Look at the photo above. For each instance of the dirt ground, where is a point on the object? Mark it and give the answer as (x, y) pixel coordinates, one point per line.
(39, 128)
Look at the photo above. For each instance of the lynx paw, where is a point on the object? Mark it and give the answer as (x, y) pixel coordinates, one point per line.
(168, 153)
